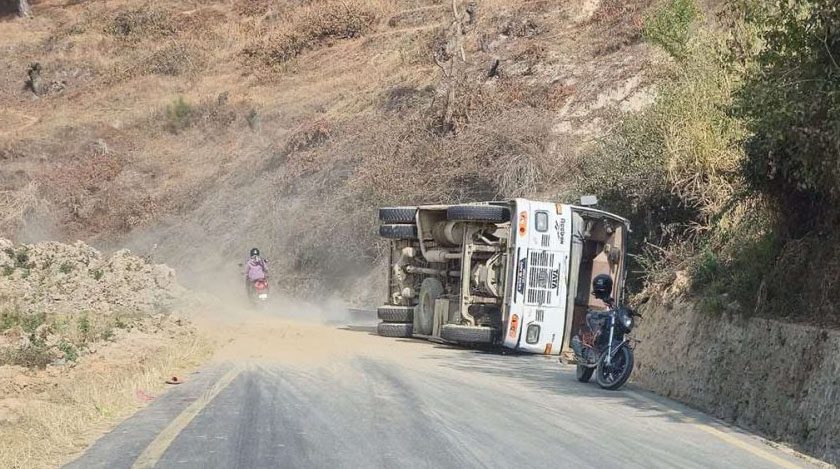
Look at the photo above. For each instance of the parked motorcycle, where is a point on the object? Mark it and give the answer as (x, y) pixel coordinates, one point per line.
(604, 348)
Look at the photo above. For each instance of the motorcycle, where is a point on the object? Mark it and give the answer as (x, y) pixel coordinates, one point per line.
(604, 349)
(260, 293)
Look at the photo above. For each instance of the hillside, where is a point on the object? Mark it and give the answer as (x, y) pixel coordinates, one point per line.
(190, 131)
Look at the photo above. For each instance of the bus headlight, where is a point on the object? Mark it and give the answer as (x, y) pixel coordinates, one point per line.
(532, 336)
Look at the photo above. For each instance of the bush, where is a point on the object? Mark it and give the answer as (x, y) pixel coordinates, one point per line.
(791, 101)
(34, 355)
(674, 168)
(31, 322)
(309, 26)
(172, 60)
(71, 353)
(9, 319)
(138, 23)
(85, 328)
(22, 259)
(670, 27)
(179, 115)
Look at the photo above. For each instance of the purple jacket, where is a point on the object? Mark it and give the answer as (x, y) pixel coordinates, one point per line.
(256, 269)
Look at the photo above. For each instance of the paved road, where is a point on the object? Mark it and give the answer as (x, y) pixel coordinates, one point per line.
(385, 403)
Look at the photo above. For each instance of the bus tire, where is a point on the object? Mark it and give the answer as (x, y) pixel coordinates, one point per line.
(467, 334)
(394, 329)
(424, 312)
(398, 231)
(395, 314)
(479, 213)
(398, 215)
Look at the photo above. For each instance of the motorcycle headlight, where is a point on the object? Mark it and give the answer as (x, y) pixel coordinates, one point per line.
(625, 320)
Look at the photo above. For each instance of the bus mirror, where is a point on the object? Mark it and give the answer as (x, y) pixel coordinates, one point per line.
(588, 200)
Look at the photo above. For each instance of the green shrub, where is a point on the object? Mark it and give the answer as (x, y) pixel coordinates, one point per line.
(34, 355)
(9, 319)
(85, 327)
(22, 259)
(179, 115)
(65, 268)
(31, 322)
(674, 168)
(791, 101)
(97, 274)
(670, 27)
(71, 353)
(706, 268)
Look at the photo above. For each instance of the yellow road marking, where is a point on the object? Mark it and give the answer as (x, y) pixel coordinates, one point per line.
(732, 440)
(158, 446)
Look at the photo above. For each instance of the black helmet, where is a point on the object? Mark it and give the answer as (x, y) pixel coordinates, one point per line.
(255, 252)
(602, 286)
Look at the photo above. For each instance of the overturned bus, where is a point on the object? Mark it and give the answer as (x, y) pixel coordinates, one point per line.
(515, 273)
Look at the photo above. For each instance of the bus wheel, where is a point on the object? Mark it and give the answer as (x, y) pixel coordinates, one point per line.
(394, 329)
(390, 313)
(424, 312)
(467, 334)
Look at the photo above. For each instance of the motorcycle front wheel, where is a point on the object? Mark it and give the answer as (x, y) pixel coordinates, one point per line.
(614, 375)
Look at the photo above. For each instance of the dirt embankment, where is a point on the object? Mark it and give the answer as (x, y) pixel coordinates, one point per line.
(85, 339)
(776, 378)
(57, 299)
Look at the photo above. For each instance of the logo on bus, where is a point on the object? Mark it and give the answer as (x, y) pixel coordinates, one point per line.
(555, 279)
(560, 227)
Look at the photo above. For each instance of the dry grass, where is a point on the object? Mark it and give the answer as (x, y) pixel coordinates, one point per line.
(15, 205)
(312, 25)
(61, 415)
(620, 22)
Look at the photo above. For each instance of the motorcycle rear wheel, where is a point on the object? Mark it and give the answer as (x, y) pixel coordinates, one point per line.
(614, 375)
(584, 373)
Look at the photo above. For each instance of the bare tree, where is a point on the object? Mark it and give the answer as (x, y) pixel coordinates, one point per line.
(24, 9)
(451, 59)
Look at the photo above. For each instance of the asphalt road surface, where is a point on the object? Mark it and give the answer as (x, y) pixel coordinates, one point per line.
(294, 396)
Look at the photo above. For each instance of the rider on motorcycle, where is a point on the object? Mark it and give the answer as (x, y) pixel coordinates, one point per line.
(255, 269)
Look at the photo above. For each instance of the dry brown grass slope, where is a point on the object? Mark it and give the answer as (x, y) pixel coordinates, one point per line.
(203, 128)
